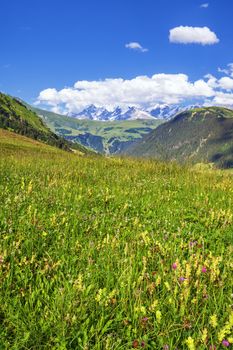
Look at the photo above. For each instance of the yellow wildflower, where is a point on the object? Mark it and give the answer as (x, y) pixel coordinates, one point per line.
(190, 343)
(204, 336)
(158, 316)
(213, 321)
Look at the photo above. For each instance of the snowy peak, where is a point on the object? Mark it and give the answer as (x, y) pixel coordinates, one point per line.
(167, 112)
(131, 113)
(102, 114)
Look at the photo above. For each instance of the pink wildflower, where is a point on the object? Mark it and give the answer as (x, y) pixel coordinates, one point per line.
(225, 343)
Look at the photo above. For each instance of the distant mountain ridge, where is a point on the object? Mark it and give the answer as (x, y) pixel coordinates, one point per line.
(131, 113)
(195, 136)
(102, 114)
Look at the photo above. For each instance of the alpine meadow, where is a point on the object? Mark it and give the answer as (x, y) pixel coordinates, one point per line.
(116, 175)
(132, 254)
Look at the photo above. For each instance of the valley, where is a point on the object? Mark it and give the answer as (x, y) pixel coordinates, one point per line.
(109, 137)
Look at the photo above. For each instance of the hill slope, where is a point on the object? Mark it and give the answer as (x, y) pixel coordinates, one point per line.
(12, 143)
(106, 137)
(16, 116)
(198, 135)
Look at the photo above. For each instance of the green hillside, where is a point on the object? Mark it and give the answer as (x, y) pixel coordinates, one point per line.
(111, 137)
(16, 117)
(106, 253)
(200, 135)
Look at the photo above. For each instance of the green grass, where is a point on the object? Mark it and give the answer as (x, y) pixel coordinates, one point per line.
(87, 248)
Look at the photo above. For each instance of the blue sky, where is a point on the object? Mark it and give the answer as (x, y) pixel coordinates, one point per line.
(54, 44)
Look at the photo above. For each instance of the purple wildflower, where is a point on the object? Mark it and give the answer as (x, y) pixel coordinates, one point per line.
(204, 269)
(225, 343)
(174, 266)
(182, 279)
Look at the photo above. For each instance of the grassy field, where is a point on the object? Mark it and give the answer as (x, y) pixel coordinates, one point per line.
(108, 253)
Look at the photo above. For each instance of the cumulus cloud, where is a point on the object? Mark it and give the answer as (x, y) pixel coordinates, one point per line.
(193, 35)
(205, 5)
(223, 99)
(142, 92)
(226, 83)
(136, 46)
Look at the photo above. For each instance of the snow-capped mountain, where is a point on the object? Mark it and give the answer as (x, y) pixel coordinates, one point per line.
(102, 114)
(169, 111)
(156, 112)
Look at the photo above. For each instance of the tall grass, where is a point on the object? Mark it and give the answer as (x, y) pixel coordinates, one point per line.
(100, 253)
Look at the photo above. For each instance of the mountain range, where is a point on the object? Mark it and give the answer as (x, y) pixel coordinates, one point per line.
(131, 113)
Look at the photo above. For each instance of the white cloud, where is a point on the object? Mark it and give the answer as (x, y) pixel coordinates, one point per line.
(212, 81)
(136, 46)
(193, 35)
(142, 91)
(223, 99)
(226, 83)
(205, 5)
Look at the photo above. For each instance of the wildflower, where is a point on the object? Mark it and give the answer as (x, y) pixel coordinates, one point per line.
(212, 347)
(174, 266)
(158, 281)
(158, 316)
(143, 344)
(140, 309)
(221, 334)
(204, 269)
(213, 321)
(188, 271)
(225, 343)
(154, 305)
(145, 319)
(166, 347)
(190, 343)
(182, 279)
(204, 335)
(135, 344)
